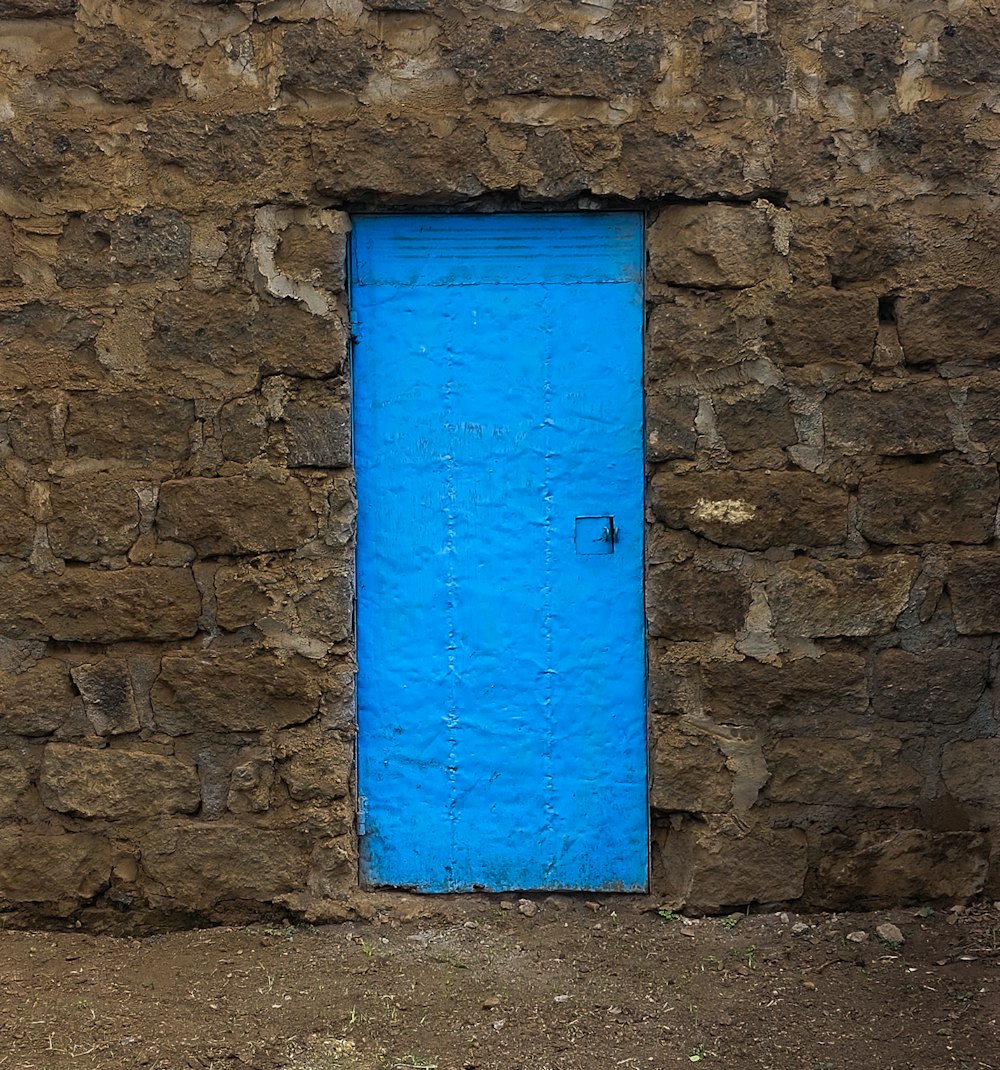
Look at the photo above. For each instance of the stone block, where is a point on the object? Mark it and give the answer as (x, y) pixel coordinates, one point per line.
(114, 64)
(817, 690)
(670, 427)
(93, 515)
(723, 862)
(17, 528)
(14, 781)
(108, 694)
(317, 428)
(45, 344)
(34, 9)
(712, 246)
(314, 253)
(823, 324)
(218, 344)
(52, 868)
(982, 412)
(893, 866)
(30, 428)
(697, 334)
(202, 865)
(756, 421)
(940, 686)
(689, 771)
(949, 325)
(243, 424)
(239, 691)
(236, 514)
(929, 503)
(8, 272)
(753, 510)
(692, 603)
(320, 57)
(318, 763)
(842, 772)
(131, 426)
(840, 597)
(908, 419)
(39, 700)
(90, 606)
(970, 769)
(495, 59)
(106, 783)
(973, 583)
(150, 246)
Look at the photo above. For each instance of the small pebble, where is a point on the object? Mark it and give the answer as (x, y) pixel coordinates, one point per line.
(858, 937)
(890, 933)
(527, 908)
(799, 928)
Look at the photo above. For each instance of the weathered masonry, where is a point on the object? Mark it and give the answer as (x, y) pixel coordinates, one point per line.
(817, 194)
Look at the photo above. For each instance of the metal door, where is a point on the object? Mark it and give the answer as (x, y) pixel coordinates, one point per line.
(498, 450)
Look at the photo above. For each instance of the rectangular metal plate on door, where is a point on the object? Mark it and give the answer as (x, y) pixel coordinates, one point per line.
(500, 626)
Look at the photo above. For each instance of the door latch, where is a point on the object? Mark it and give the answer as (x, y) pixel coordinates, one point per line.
(596, 534)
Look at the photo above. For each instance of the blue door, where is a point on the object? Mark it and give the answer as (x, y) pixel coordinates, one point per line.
(498, 449)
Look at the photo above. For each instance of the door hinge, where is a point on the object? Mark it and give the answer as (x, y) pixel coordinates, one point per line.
(362, 815)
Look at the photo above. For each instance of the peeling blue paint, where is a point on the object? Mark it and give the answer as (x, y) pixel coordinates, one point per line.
(501, 688)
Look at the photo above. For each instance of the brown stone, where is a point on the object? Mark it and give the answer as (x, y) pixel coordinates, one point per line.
(95, 250)
(235, 690)
(201, 865)
(52, 868)
(8, 273)
(697, 334)
(929, 503)
(14, 781)
(670, 428)
(691, 603)
(93, 515)
(45, 344)
(108, 694)
(841, 596)
(721, 861)
(236, 514)
(313, 253)
(496, 59)
(942, 686)
(756, 421)
(841, 772)
(982, 412)
(30, 429)
(317, 428)
(91, 606)
(949, 325)
(816, 690)
(244, 429)
(17, 528)
(33, 9)
(132, 426)
(823, 324)
(111, 63)
(890, 866)
(37, 701)
(320, 57)
(319, 763)
(712, 246)
(754, 510)
(973, 582)
(908, 419)
(88, 782)
(970, 769)
(689, 768)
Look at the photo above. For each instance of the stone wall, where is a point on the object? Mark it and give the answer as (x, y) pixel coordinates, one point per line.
(823, 422)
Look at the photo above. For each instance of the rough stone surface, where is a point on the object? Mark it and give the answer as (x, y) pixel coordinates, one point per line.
(841, 597)
(235, 514)
(753, 510)
(177, 506)
(940, 686)
(929, 503)
(82, 605)
(234, 692)
(88, 782)
(722, 862)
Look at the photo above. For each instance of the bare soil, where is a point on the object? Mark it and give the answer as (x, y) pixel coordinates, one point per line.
(478, 984)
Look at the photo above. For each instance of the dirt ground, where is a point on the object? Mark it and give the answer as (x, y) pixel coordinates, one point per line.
(535, 984)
